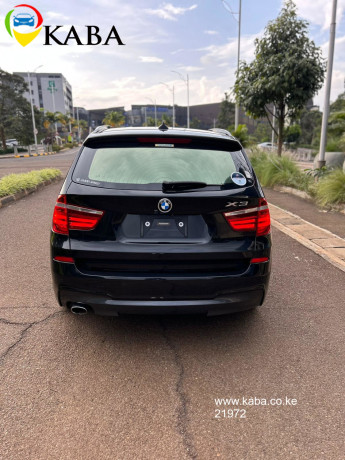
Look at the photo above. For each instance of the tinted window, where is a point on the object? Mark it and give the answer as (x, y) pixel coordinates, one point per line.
(146, 167)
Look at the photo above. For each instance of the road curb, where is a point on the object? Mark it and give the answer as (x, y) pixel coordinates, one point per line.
(7, 200)
(309, 235)
(27, 155)
(305, 196)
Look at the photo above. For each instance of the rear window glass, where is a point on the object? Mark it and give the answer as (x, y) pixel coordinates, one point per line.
(148, 167)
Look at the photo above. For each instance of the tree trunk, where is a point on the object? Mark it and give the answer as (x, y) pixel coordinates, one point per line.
(281, 119)
(2, 137)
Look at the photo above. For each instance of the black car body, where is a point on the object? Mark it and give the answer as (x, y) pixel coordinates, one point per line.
(158, 220)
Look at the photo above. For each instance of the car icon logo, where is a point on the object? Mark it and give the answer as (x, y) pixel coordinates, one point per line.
(164, 205)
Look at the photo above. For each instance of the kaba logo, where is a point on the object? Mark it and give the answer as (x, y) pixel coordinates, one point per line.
(24, 22)
(93, 36)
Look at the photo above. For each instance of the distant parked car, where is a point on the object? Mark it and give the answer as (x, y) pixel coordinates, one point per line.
(11, 142)
(268, 146)
(24, 19)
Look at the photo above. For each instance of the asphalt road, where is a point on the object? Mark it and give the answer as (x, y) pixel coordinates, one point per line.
(61, 161)
(123, 388)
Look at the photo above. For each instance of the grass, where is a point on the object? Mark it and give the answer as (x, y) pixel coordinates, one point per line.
(273, 170)
(331, 188)
(14, 183)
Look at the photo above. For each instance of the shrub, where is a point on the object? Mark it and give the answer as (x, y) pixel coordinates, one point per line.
(273, 170)
(14, 183)
(331, 188)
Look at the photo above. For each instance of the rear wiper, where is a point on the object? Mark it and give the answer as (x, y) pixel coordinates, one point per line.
(181, 186)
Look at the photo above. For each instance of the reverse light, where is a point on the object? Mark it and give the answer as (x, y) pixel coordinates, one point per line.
(255, 219)
(69, 217)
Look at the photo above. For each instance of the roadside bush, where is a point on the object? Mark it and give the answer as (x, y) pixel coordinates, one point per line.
(331, 188)
(11, 150)
(273, 170)
(14, 183)
(57, 148)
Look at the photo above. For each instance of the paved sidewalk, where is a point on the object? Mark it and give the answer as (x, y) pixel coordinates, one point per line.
(323, 242)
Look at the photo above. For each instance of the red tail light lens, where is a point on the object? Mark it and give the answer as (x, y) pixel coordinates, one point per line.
(259, 260)
(251, 219)
(69, 217)
(67, 260)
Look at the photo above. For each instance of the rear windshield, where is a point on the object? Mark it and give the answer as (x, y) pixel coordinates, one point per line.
(147, 168)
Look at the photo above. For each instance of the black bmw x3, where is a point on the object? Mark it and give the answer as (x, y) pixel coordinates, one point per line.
(160, 221)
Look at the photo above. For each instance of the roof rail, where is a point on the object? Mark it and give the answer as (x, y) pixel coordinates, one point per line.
(102, 128)
(221, 131)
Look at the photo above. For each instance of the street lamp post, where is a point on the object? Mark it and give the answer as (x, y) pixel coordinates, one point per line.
(32, 109)
(154, 102)
(186, 80)
(173, 95)
(323, 140)
(228, 8)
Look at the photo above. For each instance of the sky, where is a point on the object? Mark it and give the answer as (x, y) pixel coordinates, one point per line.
(194, 37)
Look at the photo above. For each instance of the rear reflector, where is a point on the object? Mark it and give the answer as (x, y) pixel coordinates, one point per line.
(259, 260)
(69, 217)
(68, 260)
(164, 140)
(251, 219)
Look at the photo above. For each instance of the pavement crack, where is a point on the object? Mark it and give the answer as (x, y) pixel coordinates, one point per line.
(24, 331)
(182, 410)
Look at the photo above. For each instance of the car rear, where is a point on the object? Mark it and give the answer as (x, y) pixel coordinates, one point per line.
(161, 222)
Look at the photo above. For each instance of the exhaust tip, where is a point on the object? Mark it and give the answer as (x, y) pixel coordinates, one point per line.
(79, 309)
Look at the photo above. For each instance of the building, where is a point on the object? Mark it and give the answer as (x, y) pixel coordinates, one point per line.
(94, 117)
(50, 92)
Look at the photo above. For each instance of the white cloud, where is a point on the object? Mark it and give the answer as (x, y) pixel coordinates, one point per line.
(211, 32)
(55, 16)
(191, 68)
(150, 59)
(219, 54)
(169, 11)
(319, 12)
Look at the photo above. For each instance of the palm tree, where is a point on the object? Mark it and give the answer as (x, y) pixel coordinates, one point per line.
(114, 119)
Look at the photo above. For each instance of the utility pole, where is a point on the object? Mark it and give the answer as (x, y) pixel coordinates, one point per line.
(173, 96)
(186, 80)
(321, 162)
(32, 108)
(228, 8)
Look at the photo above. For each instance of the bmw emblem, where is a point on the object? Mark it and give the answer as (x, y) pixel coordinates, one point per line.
(164, 205)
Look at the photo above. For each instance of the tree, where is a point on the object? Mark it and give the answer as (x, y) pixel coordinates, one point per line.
(292, 133)
(150, 122)
(241, 133)
(114, 119)
(15, 110)
(286, 72)
(226, 115)
(195, 123)
(263, 132)
(310, 121)
(339, 104)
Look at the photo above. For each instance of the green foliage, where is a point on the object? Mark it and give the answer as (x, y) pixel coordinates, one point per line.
(113, 118)
(15, 110)
(292, 133)
(333, 145)
(150, 122)
(195, 123)
(317, 173)
(241, 133)
(11, 150)
(263, 132)
(272, 170)
(331, 188)
(14, 183)
(310, 121)
(226, 115)
(286, 72)
(339, 104)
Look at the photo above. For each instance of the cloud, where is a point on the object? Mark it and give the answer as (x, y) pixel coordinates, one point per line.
(169, 11)
(319, 12)
(211, 32)
(219, 54)
(55, 16)
(191, 68)
(150, 59)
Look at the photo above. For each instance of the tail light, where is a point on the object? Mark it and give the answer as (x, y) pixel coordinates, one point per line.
(251, 219)
(69, 217)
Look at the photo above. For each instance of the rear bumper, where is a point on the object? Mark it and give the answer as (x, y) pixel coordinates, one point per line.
(210, 295)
